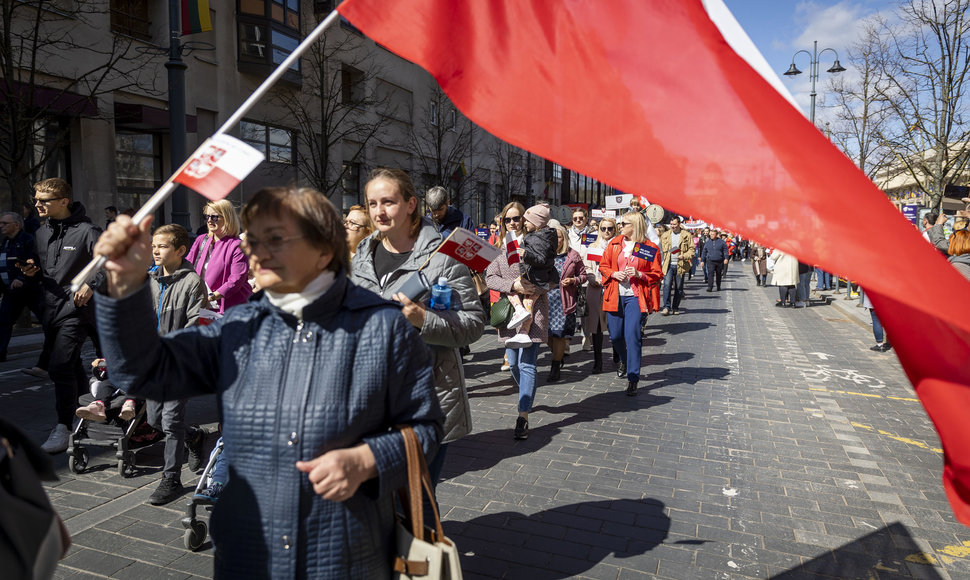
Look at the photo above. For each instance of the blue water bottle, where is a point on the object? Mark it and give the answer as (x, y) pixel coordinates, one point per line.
(441, 295)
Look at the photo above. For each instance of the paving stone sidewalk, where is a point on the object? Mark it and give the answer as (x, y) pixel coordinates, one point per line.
(765, 443)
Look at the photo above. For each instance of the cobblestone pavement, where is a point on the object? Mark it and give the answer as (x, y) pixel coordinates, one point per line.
(764, 443)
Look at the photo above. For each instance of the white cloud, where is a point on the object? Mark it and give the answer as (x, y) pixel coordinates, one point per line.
(835, 26)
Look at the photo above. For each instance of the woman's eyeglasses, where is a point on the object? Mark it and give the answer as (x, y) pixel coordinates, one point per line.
(351, 225)
(578, 218)
(607, 229)
(212, 217)
(273, 245)
(624, 224)
(515, 219)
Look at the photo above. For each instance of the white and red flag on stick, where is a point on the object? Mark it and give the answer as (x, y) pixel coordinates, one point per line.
(594, 254)
(469, 249)
(218, 166)
(511, 248)
(691, 143)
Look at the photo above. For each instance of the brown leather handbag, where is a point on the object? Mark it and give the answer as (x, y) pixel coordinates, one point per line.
(421, 552)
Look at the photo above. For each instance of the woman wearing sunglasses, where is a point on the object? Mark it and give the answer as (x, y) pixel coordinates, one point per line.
(595, 322)
(629, 272)
(219, 260)
(504, 279)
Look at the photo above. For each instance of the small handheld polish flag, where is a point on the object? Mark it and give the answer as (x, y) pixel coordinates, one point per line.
(219, 166)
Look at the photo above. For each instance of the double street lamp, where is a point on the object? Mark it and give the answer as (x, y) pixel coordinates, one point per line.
(813, 69)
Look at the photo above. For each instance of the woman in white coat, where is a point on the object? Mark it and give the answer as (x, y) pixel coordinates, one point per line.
(595, 321)
(784, 275)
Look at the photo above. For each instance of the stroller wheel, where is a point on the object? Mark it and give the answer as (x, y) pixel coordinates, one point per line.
(195, 535)
(78, 461)
(126, 465)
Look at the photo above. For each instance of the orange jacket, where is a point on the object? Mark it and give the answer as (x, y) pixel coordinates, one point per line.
(650, 274)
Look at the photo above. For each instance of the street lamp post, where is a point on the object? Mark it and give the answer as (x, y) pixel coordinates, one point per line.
(813, 69)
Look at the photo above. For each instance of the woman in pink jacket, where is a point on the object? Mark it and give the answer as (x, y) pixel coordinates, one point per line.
(219, 260)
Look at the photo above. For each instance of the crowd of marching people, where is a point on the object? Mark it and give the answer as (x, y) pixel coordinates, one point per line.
(321, 333)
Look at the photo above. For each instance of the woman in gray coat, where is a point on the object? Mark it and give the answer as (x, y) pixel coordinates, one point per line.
(386, 259)
(311, 375)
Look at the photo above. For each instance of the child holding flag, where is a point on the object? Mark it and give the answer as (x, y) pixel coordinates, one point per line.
(537, 252)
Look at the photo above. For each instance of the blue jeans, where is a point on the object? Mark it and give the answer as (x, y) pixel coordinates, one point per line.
(675, 282)
(804, 285)
(220, 471)
(625, 328)
(823, 280)
(877, 331)
(522, 363)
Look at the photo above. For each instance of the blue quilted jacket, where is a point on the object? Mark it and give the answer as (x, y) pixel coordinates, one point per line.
(291, 390)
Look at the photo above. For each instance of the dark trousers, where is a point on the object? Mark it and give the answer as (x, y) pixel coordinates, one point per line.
(169, 417)
(715, 270)
(12, 305)
(673, 283)
(625, 327)
(66, 370)
(786, 294)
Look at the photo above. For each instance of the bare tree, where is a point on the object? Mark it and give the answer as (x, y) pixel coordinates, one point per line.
(509, 162)
(341, 108)
(441, 139)
(926, 85)
(41, 94)
(863, 114)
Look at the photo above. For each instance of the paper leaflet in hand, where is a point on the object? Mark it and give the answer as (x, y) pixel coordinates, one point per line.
(587, 238)
(469, 249)
(482, 233)
(218, 166)
(207, 317)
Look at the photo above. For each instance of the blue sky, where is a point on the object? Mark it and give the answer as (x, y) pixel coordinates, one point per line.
(779, 28)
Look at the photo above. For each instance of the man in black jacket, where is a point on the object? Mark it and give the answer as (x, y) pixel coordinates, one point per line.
(65, 245)
(18, 291)
(713, 259)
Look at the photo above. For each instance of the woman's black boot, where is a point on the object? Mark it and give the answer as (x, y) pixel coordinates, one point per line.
(597, 354)
(631, 389)
(554, 373)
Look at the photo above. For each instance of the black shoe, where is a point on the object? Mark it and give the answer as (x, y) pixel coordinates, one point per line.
(167, 491)
(631, 389)
(194, 444)
(710, 289)
(521, 429)
(886, 346)
(877, 348)
(597, 366)
(621, 370)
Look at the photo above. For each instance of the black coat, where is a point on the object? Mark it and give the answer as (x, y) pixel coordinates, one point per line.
(19, 249)
(540, 251)
(65, 247)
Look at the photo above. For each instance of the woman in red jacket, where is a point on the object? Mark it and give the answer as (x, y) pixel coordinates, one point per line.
(630, 267)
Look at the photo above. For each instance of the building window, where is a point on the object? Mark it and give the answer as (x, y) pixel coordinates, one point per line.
(454, 120)
(130, 17)
(556, 172)
(350, 182)
(433, 113)
(138, 161)
(269, 31)
(351, 85)
(275, 142)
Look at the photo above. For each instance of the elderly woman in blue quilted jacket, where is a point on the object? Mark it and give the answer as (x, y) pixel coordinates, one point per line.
(311, 375)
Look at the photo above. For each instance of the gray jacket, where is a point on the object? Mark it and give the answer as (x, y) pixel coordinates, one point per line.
(444, 332)
(178, 297)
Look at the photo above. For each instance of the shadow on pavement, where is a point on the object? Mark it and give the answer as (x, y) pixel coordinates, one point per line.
(678, 328)
(477, 451)
(889, 552)
(562, 542)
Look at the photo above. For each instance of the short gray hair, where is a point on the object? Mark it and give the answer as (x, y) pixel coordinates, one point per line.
(16, 217)
(436, 197)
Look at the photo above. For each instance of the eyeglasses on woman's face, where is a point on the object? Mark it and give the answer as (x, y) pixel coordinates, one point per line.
(212, 217)
(578, 218)
(273, 244)
(624, 224)
(607, 229)
(352, 225)
(513, 219)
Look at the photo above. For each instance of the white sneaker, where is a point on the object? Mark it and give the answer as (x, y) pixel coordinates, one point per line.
(520, 340)
(518, 317)
(57, 440)
(506, 367)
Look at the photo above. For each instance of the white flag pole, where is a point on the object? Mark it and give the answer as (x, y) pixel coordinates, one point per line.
(163, 193)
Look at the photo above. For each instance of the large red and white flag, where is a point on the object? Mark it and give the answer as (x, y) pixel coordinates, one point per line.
(723, 142)
(218, 166)
(469, 249)
(511, 248)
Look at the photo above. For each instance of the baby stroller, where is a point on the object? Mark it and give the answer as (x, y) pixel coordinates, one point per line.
(116, 433)
(196, 530)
